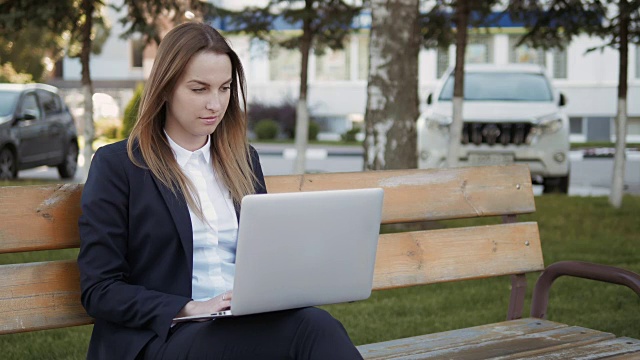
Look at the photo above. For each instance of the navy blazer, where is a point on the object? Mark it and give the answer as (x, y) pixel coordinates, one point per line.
(136, 253)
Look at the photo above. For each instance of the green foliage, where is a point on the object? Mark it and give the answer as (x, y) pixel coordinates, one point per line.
(266, 129)
(554, 25)
(437, 26)
(35, 34)
(284, 114)
(150, 17)
(28, 50)
(131, 112)
(9, 75)
(325, 23)
(314, 129)
(108, 128)
(350, 135)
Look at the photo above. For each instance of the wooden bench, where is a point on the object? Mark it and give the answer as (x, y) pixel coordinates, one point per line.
(45, 295)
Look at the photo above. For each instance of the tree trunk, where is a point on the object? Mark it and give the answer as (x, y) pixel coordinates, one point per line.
(392, 89)
(302, 111)
(455, 132)
(88, 8)
(617, 186)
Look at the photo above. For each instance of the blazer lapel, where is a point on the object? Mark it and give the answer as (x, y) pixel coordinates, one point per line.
(179, 210)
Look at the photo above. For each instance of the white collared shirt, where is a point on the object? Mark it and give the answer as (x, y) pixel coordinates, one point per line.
(214, 244)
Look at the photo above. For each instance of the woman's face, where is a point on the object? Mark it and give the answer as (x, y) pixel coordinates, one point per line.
(199, 100)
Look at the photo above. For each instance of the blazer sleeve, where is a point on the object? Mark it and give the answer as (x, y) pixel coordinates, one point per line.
(102, 260)
(261, 187)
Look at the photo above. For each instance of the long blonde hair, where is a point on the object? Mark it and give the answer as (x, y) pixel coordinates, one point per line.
(229, 142)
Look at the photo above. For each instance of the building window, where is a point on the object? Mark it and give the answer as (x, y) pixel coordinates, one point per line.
(559, 63)
(524, 53)
(363, 56)
(442, 61)
(633, 129)
(137, 50)
(479, 49)
(576, 125)
(284, 64)
(577, 129)
(333, 65)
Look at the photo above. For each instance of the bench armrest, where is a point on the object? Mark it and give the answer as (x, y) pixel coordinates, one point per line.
(585, 270)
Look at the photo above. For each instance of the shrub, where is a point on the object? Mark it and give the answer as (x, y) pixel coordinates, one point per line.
(284, 114)
(131, 112)
(107, 128)
(266, 129)
(350, 135)
(314, 129)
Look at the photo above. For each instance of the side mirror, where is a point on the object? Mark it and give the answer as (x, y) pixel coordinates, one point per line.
(28, 115)
(563, 100)
(429, 99)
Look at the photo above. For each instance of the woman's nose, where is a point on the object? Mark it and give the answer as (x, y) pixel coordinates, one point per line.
(213, 103)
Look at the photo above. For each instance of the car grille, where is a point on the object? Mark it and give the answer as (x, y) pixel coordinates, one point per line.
(495, 133)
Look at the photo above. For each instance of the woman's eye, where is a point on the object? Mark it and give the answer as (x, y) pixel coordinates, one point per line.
(198, 90)
(226, 88)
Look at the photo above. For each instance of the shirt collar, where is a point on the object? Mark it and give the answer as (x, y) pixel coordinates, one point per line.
(183, 155)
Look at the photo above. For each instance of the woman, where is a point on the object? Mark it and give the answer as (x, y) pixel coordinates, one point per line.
(160, 218)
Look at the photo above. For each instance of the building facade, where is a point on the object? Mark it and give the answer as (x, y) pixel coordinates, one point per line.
(338, 79)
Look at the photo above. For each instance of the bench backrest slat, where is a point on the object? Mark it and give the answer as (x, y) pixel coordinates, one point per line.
(39, 296)
(39, 217)
(426, 195)
(46, 217)
(427, 257)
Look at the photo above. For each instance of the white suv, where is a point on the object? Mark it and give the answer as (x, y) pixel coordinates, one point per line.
(511, 114)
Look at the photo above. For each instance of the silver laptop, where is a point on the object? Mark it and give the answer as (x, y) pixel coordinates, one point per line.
(304, 249)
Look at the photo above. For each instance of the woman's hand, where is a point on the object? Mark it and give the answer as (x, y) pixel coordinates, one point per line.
(218, 303)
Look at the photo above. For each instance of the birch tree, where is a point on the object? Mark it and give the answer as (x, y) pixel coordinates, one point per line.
(462, 11)
(324, 24)
(617, 22)
(392, 88)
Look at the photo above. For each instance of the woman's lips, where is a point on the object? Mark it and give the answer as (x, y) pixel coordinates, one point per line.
(209, 120)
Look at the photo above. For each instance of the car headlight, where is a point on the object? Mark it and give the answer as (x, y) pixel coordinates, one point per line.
(550, 124)
(439, 122)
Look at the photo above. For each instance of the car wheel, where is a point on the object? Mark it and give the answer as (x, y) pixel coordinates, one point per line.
(8, 165)
(556, 185)
(67, 169)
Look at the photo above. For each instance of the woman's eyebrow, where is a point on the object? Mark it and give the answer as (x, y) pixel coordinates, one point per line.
(198, 82)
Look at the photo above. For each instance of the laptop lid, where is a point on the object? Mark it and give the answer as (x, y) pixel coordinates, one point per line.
(305, 249)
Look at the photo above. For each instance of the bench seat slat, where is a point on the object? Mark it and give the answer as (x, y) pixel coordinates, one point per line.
(455, 338)
(425, 257)
(39, 296)
(517, 346)
(626, 348)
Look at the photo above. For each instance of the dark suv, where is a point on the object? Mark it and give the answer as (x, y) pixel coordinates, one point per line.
(36, 128)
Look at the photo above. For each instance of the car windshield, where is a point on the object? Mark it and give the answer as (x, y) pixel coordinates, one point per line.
(500, 86)
(8, 101)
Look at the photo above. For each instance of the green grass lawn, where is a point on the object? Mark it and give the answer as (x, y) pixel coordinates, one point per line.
(571, 228)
